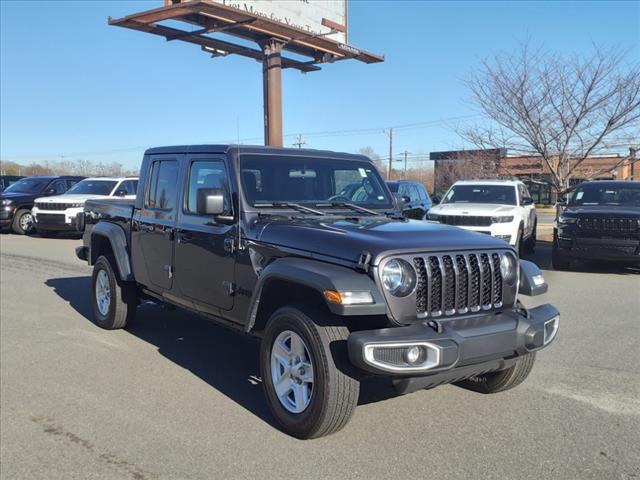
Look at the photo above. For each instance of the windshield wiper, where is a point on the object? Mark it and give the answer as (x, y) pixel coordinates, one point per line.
(294, 206)
(351, 206)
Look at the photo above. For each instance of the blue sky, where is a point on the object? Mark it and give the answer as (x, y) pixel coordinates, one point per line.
(72, 86)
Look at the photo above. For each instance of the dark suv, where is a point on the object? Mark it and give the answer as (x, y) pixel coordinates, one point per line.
(600, 221)
(263, 240)
(17, 199)
(414, 198)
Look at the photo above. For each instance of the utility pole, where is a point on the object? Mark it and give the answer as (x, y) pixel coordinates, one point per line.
(632, 156)
(404, 175)
(390, 134)
(272, 91)
(300, 141)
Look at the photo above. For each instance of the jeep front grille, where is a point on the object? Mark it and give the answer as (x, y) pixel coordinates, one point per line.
(449, 284)
(466, 220)
(608, 224)
(52, 206)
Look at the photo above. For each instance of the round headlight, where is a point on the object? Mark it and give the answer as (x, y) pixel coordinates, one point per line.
(398, 278)
(508, 268)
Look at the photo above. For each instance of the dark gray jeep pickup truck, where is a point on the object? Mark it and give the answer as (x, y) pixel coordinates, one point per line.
(339, 288)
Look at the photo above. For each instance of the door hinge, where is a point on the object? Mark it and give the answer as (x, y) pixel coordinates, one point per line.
(364, 261)
(229, 287)
(169, 270)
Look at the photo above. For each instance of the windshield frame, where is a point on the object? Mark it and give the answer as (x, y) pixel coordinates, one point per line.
(10, 188)
(250, 206)
(480, 185)
(582, 188)
(94, 180)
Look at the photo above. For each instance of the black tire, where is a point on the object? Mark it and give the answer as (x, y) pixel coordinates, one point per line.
(530, 244)
(47, 233)
(495, 382)
(335, 393)
(518, 245)
(123, 301)
(559, 261)
(17, 225)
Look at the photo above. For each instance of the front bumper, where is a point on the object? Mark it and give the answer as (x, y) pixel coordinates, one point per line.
(486, 342)
(503, 231)
(6, 215)
(56, 220)
(623, 248)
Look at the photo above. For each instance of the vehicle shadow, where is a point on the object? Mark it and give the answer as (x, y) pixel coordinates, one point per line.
(542, 258)
(225, 359)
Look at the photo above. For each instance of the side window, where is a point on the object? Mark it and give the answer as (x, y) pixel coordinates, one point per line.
(520, 193)
(71, 183)
(60, 186)
(129, 187)
(163, 185)
(207, 174)
(413, 193)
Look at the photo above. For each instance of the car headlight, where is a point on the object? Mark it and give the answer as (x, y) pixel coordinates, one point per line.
(398, 278)
(76, 205)
(508, 268)
(502, 219)
(434, 217)
(566, 220)
(6, 202)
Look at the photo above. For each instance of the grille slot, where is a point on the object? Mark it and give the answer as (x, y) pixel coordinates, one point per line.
(608, 224)
(457, 284)
(465, 220)
(52, 206)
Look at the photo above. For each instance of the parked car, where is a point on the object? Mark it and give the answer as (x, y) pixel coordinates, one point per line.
(501, 208)
(258, 239)
(18, 198)
(6, 180)
(600, 221)
(58, 213)
(414, 197)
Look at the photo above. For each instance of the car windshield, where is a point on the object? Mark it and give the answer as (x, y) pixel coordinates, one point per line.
(28, 185)
(498, 194)
(594, 194)
(312, 182)
(93, 187)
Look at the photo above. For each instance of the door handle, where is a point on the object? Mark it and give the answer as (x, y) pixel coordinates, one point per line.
(143, 227)
(184, 237)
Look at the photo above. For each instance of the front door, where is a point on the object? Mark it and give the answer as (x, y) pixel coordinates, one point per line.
(204, 247)
(153, 226)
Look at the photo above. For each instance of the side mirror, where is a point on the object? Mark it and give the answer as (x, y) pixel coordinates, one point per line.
(561, 203)
(49, 191)
(120, 193)
(435, 200)
(210, 201)
(527, 201)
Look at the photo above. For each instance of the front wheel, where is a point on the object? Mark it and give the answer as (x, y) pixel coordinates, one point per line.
(304, 374)
(495, 382)
(23, 222)
(114, 302)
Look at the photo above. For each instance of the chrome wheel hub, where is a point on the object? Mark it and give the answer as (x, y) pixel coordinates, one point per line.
(26, 222)
(103, 292)
(292, 371)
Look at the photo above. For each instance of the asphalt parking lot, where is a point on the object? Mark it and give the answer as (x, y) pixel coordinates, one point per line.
(174, 396)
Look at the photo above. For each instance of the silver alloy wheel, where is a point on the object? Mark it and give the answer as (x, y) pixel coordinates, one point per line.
(292, 371)
(26, 222)
(103, 292)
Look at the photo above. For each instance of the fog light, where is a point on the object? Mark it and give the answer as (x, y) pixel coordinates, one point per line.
(551, 329)
(412, 355)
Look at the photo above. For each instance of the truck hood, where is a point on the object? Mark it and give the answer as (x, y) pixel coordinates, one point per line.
(601, 211)
(71, 198)
(474, 209)
(347, 238)
(17, 196)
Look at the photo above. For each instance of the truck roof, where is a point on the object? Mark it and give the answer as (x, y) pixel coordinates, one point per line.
(255, 149)
(488, 181)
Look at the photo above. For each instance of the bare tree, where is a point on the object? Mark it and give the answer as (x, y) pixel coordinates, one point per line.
(562, 109)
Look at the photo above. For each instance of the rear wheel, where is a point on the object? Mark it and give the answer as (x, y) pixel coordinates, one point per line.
(518, 244)
(530, 244)
(114, 301)
(495, 382)
(303, 366)
(23, 222)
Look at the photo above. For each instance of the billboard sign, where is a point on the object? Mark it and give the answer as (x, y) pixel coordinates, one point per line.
(317, 17)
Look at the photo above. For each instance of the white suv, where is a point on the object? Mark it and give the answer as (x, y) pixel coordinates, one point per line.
(58, 213)
(500, 208)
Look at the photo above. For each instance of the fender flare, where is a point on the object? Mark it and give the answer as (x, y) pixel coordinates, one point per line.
(318, 276)
(118, 240)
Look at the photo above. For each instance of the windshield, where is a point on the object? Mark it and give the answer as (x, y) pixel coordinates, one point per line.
(594, 194)
(311, 181)
(28, 185)
(499, 194)
(93, 187)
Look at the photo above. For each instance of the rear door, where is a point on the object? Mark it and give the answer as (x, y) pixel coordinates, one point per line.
(153, 226)
(204, 246)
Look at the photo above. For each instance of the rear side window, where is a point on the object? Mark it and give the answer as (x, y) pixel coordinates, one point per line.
(129, 187)
(207, 174)
(163, 185)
